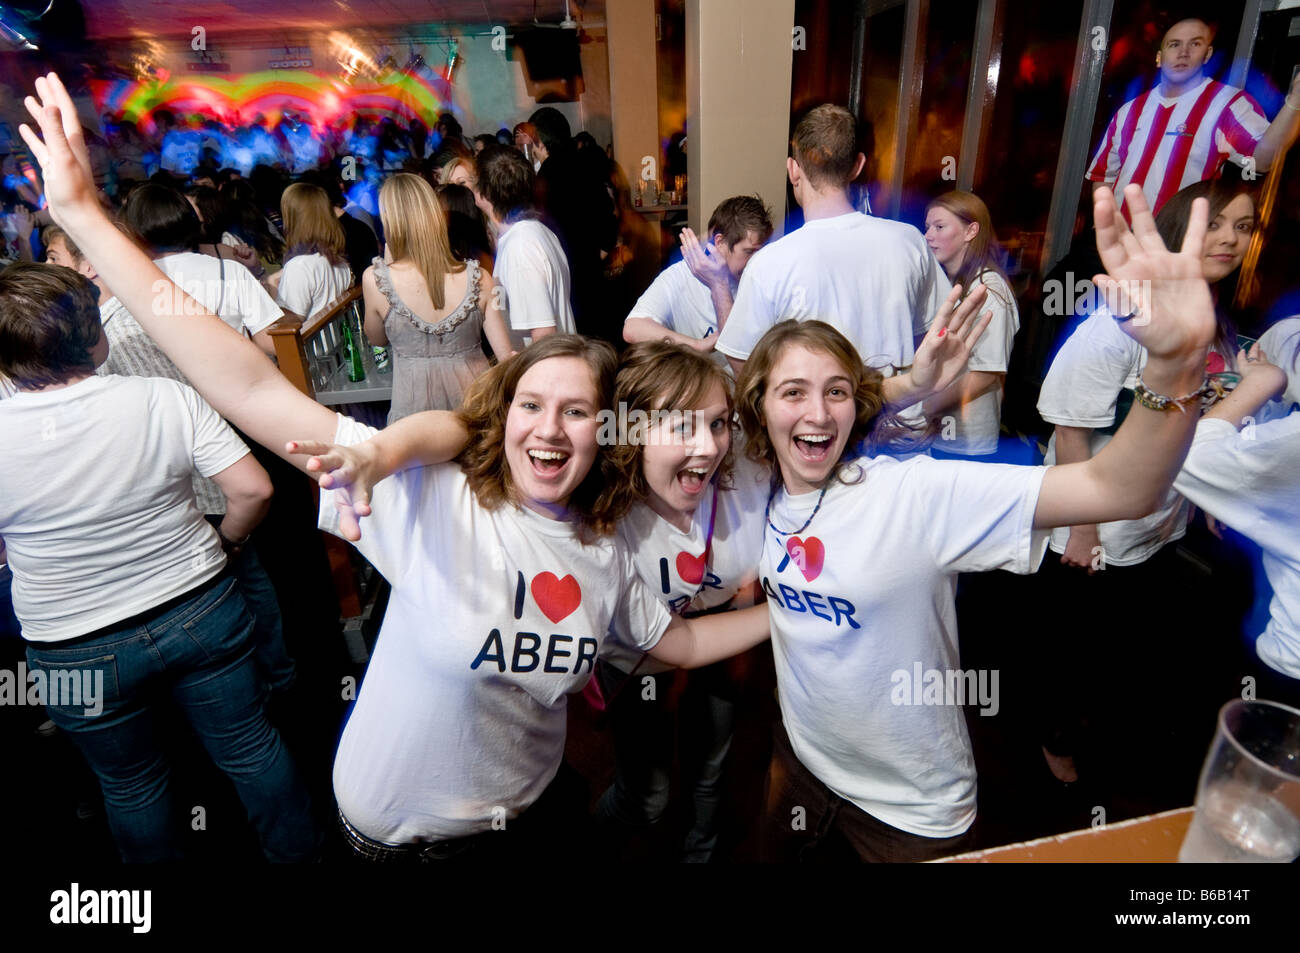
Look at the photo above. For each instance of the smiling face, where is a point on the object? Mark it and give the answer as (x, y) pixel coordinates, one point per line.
(947, 236)
(683, 452)
(1184, 51)
(808, 410)
(1227, 239)
(550, 435)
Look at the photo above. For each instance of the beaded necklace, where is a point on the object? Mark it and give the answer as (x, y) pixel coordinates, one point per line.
(767, 512)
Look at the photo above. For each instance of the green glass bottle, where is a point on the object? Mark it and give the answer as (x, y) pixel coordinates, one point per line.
(352, 353)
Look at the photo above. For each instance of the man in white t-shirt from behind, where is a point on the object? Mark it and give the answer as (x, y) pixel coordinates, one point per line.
(163, 220)
(531, 272)
(690, 301)
(873, 279)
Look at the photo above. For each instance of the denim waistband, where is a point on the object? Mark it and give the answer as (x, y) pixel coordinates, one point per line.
(143, 618)
(379, 852)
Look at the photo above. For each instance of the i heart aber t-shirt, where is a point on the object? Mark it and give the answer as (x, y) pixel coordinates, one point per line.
(494, 619)
(672, 563)
(866, 590)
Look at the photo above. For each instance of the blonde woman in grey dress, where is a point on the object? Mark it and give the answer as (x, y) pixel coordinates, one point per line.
(426, 306)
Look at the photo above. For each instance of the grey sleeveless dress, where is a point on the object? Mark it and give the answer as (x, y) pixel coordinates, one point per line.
(433, 364)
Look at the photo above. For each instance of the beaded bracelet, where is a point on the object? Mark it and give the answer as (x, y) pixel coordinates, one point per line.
(1153, 401)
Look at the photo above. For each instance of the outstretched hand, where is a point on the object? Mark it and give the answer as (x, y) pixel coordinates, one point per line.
(942, 355)
(60, 150)
(351, 472)
(1159, 296)
(704, 260)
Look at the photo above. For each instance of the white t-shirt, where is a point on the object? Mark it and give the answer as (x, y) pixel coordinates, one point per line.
(533, 274)
(670, 561)
(495, 618)
(1279, 343)
(1082, 390)
(1248, 480)
(310, 284)
(976, 425)
(874, 279)
(96, 504)
(862, 600)
(245, 305)
(680, 302)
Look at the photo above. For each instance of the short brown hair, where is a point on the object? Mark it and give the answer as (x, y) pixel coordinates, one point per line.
(505, 180)
(739, 215)
(53, 234)
(601, 499)
(661, 375)
(825, 145)
(49, 324)
(874, 426)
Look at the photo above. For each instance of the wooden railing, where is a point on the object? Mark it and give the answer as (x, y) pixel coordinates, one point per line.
(311, 355)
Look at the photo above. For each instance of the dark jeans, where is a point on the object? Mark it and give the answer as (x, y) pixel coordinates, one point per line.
(9, 627)
(643, 750)
(802, 817)
(198, 651)
(274, 665)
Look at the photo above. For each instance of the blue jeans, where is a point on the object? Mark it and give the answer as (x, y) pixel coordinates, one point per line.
(9, 627)
(274, 665)
(200, 652)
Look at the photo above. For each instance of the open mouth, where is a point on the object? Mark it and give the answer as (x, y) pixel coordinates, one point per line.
(547, 462)
(692, 479)
(813, 447)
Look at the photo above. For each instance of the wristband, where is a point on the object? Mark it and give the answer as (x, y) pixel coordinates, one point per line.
(1153, 401)
(232, 547)
(1286, 101)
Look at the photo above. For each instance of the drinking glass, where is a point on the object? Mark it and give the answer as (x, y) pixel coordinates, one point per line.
(1248, 799)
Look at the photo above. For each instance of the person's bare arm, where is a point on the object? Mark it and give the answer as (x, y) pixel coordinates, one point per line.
(494, 319)
(228, 370)
(538, 333)
(375, 307)
(247, 490)
(1074, 445)
(943, 353)
(971, 386)
(648, 329)
(1175, 323)
(1281, 132)
(694, 643)
(1261, 382)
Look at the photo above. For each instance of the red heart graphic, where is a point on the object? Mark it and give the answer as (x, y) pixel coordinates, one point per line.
(690, 568)
(808, 554)
(556, 597)
(1214, 363)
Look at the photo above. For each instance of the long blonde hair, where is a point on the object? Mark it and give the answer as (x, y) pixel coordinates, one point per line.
(310, 225)
(416, 231)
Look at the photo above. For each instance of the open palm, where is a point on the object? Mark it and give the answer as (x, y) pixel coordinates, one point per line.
(1165, 291)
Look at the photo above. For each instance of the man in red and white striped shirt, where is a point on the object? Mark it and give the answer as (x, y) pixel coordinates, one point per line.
(1182, 130)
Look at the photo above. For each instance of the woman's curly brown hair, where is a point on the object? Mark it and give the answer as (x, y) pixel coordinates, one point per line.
(874, 426)
(662, 376)
(602, 498)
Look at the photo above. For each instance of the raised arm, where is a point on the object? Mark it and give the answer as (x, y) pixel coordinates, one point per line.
(229, 371)
(1164, 304)
(944, 352)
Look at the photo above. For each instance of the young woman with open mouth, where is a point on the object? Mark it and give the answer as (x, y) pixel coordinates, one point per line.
(861, 553)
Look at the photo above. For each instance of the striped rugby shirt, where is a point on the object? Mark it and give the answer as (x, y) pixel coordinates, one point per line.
(1168, 144)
